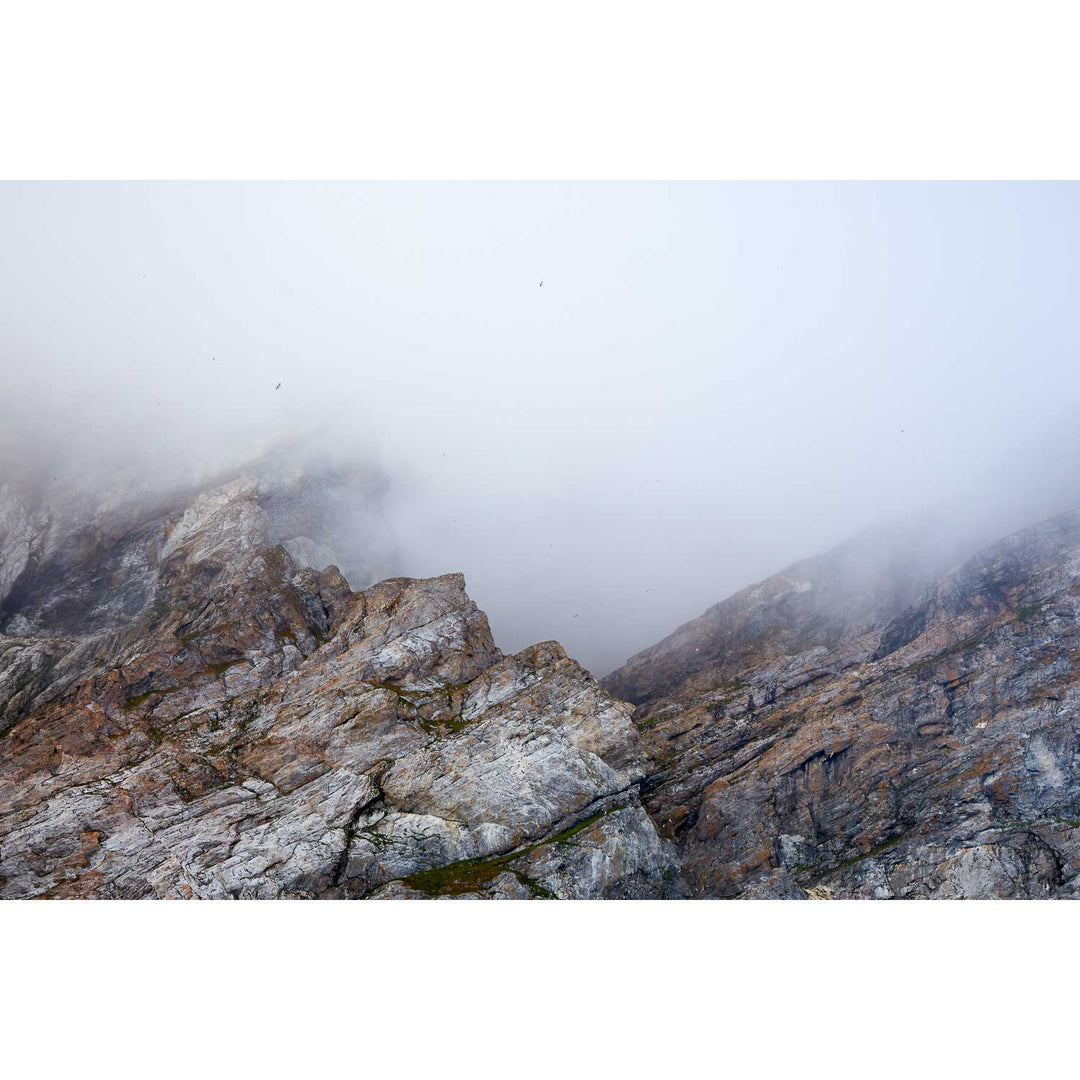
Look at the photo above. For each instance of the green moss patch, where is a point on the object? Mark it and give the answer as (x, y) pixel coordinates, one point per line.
(217, 670)
(141, 699)
(419, 699)
(475, 875)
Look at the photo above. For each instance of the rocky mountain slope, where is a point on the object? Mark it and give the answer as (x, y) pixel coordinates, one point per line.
(806, 739)
(187, 711)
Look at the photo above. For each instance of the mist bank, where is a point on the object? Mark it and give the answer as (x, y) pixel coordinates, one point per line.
(714, 380)
(350, 507)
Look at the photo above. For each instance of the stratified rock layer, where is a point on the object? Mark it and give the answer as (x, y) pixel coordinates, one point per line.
(187, 712)
(851, 750)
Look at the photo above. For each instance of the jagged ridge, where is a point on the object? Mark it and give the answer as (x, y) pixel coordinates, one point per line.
(194, 714)
(187, 710)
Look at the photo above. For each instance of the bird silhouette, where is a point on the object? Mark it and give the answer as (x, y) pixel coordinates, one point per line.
(278, 387)
(541, 284)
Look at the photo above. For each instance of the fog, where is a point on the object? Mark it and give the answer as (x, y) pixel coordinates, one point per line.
(713, 380)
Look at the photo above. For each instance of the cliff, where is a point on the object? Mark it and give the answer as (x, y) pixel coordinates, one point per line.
(187, 711)
(855, 745)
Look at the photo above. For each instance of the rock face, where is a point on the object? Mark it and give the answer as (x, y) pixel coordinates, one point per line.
(187, 711)
(803, 740)
(824, 600)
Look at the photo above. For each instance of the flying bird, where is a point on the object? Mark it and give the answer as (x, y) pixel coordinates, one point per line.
(541, 284)
(278, 387)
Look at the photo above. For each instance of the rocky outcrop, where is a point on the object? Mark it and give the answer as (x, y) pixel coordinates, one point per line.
(190, 712)
(188, 709)
(824, 600)
(18, 529)
(854, 751)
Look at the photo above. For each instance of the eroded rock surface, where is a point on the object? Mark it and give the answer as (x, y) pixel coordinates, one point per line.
(864, 747)
(188, 711)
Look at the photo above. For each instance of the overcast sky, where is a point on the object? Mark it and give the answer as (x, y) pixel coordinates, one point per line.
(713, 381)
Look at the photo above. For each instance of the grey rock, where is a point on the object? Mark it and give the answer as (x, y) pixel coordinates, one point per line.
(200, 716)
